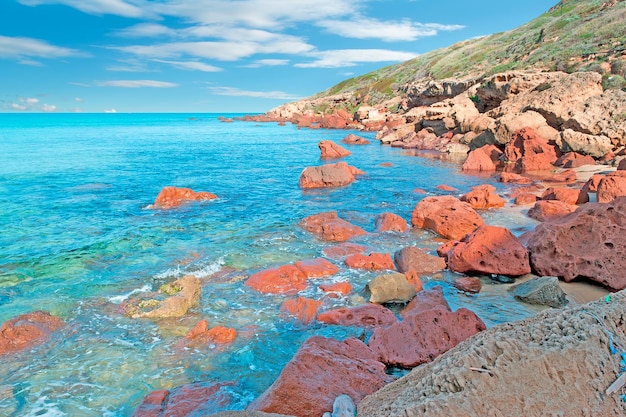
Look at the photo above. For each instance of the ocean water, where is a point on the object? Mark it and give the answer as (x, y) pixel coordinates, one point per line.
(78, 238)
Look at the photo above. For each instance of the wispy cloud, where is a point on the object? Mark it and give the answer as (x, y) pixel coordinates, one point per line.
(99, 7)
(235, 92)
(391, 31)
(191, 65)
(349, 57)
(24, 49)
(48, 108)
(135, 84)
(268, 63)
(145, 30)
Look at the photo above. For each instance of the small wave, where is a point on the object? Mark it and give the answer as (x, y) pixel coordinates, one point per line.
(117, 299)
(44, 408)
(209, 269)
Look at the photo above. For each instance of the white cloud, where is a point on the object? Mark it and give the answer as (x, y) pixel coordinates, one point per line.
(22, 48)
(48, 108)
(19, 107)
(145, 30)
(235, 92)
(129, 65)
(30, 100)
(99, 7)
(391, 31)
(110, 111)
(135, 84)
(350, 57)
(267, 63)
(192, 65)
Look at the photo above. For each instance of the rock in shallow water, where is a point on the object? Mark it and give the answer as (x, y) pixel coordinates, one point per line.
(27, 330)
(542, 291)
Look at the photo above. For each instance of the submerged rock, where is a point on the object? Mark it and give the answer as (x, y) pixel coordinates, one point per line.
(330, 227)
(303, 309)
(372, 262)
(366, 315)
(286, 279)
(27, 330)
(182, 294)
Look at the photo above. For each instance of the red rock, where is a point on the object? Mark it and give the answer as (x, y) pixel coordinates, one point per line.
(320, 371)
(287, 279)
(574, 160)
(527, 143)
(421, 337)
(367, 315)
(590, 243)
(303, 309)
(329, 175)
(447, 216)
(533, 163)
(414, 279)
(510, 177)
(525, 199)
(622, 165)
(390, 222)
(444, 187)
(468, 284)
(317, 268)
(330, 149)
(218, 335)
(566, 195)
(442, 251)
(549, 210)
(27, 330)
(342, 250)
(338, 120)
(426, 300)
(478, 160)
(567, 176)
(195, 399)
(419, 191)
(490, 250)
(372, 262)
(613, 185)
(171, 197)
(386, 164)
(355, 140)
(418, 261)
(344, 288)
(591, 186)
(328, 226)
(483, 197)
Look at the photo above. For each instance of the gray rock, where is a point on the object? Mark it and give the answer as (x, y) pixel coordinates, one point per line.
(541, 291)
(342, 407)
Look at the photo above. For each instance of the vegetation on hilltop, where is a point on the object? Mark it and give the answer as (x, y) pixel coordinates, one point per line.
(575, 35)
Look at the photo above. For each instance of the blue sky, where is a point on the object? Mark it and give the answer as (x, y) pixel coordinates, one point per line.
(219, 55)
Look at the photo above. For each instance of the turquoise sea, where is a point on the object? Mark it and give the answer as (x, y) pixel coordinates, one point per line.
(78, 239)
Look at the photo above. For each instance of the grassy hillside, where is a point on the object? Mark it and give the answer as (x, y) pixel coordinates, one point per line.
(575, 35)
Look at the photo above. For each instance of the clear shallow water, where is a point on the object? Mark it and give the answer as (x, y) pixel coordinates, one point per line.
(77, 239)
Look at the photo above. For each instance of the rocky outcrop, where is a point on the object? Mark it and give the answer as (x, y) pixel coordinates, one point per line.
(490, 250)
(574, 160)
(329, 175)
(330, 150)
(447, 216)
(328, 226)
(483, 197)
(416, 260)
(172, 300)
(320, 371)
(353, 139)
(589, 243)
(613, 185)
(566, 195)
(549, 210)
(530, 152)
(27, 330)
(172, 197)
(366, 316)
(198, 398)
(583, 143)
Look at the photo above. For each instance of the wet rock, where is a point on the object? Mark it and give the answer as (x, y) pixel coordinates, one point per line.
(442, 251)
(195, 399)
(468, 284)
(544, 211)
(342, 250)
(352, 139)
(421, 337)
(372, 262)
(445, 187)
(510, 177)
(447, 216)
(589, 243)
(286, 279)
(330, 149)
(303, 309)
(343, 288)
(328, 226)
(490, 250)
(543, 291)
(566, 195)
(27, 330)
(483, 197)
(366, 316)
(329, 175)
(171, 197)
(574, 160)
(320, 371)
(390, 222)
(613, 185)
(201, 334)
(180, 296)
(524, 199)
(390, 288)
(342, 407)
(426, 300)
(317, 268)
(418, 261)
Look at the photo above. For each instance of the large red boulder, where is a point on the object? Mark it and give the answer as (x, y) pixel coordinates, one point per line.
(195, 399)
(328, 226)
(171, 197)
(447, 216)
(574, 160)
(414, 259)
(547, 210)
(286, 279)
(317, 268)
(421, 337)
(513, 178)
(330, 149)
(320, 371)
(390, 222)
(372, 262)
(478, 160)
(589, 243)
(352, 139)
(591, 186)
(337, 120)
(483, 197)
(303, 309)
(611, 186)
(329, 175)
(566, 195)
(426, 300)
(366, 315)
(27, 330)
(527, 143)
(490, 250)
